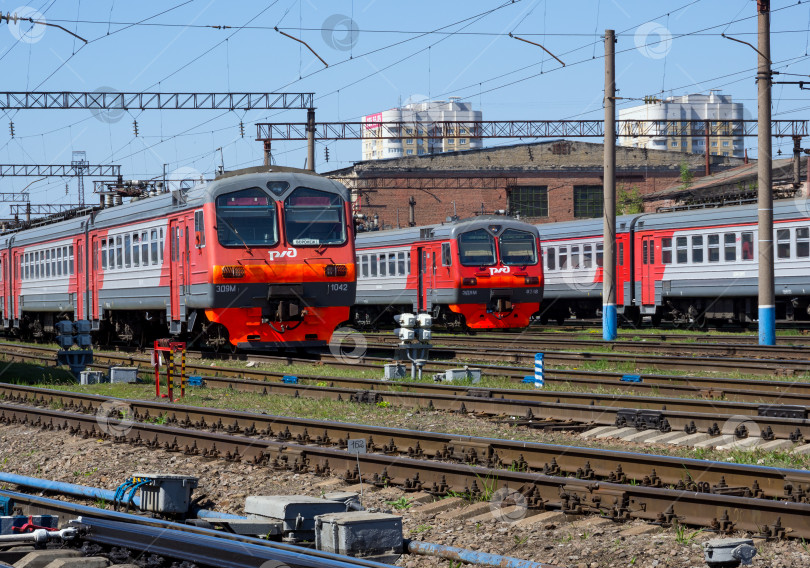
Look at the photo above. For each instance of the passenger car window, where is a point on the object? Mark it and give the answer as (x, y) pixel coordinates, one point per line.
(747, 247)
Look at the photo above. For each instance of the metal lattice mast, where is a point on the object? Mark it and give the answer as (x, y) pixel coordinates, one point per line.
(80, 165)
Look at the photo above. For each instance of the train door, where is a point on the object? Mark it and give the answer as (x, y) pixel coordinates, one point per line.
(14, 278)
(648, 271)
(7, 285)
(427, 279)
(177, 271)
(95, 276)
(81, 280)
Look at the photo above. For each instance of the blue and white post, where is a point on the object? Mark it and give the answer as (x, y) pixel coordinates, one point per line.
(539, 371)
(609, 329)
(767, 309)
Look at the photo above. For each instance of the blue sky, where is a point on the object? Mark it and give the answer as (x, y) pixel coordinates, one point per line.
(398, 52)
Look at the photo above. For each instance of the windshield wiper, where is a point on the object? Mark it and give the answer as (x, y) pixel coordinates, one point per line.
(235, 232)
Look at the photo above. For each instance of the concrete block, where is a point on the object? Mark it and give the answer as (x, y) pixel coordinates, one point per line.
(595, 431)
(359, 533)
(742, 444)
(253, 527)
(328, 484)
(664, 438)
(510, 514)
(634, 433)
(123, 375)
(615, 432)
(640, 530)
(543, 519)
(87, 562)
(803, 449)
(689, 439)
(289, 508)
(715, 441)
(440, 506)
(642, 436)
(466, 513)
(41, 558)
(361, 488)
(774, 445)
(420, 497)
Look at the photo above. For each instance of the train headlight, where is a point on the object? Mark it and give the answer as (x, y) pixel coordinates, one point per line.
(333, 270)
(532, 281)
(233, 271)
(469, 281)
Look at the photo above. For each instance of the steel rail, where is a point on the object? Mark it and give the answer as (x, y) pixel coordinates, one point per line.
(645, 336)
(590, 463)
(721, 512)
(535, 344)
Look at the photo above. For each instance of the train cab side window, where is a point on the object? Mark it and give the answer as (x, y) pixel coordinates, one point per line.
(154, 250)
(783, 243)
(160, 246)
(401, 264)
(551, 259)
(802, 242)
(587, 256)
(408, 262)
(446, 258)
(730, 247)
(714, 248)
(600, 254)
(681, 250)
(136, 250)
(563, 258)
(697, 249)
(666, 250)
(575, 257)
(127, 251)
(747, 248)
(644, 252)
(103, 254)
(199, 229)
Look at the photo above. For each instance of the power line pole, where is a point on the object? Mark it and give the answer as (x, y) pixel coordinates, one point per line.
(767, 308)
(609, 187)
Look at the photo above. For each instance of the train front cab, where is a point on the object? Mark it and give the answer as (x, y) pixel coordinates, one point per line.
(283, 262)
(496, 272)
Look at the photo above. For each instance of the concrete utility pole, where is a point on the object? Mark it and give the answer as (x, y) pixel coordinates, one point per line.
(311, 139)
(609, 186)
(767, 308)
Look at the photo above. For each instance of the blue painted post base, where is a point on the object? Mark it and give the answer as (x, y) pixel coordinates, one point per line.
(609, 319)
(767, 325)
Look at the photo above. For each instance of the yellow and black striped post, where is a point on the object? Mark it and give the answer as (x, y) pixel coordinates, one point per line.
(183, 371)
(170, 373)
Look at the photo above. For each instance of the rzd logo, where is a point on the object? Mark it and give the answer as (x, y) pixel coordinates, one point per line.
(289, 253)
(502, 270)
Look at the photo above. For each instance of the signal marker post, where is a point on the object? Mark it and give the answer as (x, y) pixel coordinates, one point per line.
(539, 371)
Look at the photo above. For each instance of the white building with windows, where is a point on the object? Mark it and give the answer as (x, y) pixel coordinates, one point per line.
(423, 120)
(711, 107)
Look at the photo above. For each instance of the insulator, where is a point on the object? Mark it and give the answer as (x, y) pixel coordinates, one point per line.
(135, 127)
(242, 129)
(11, 128)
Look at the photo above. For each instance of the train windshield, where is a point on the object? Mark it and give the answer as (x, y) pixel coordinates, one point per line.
(313, 217)
(518, 247)
(476, 248)
(246, 218)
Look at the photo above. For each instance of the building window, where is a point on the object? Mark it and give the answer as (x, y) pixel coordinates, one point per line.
(451, 141)
(409, 131)
(462, 140)
(725, 144)
(409, 151)
(588, 200)
(714, 144)
(674, 144)
(410, 141)
(529, 201)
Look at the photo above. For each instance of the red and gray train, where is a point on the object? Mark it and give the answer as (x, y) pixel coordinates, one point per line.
(688, 267)
(482, 273)
(262, 257)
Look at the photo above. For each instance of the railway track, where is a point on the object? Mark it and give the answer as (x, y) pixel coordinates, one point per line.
(727, 359)
(724, 511)
(641, 335)
(588, 463)
(538, 408)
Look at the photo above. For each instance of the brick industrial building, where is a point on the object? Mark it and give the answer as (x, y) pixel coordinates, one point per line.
(542, 182)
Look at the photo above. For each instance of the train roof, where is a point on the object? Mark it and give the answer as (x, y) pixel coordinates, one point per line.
(783, 210)
(583, 228)
(441, 231)
(144, 208)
